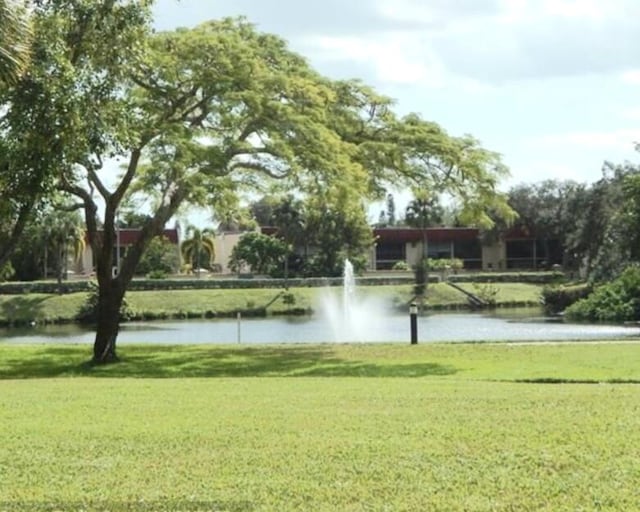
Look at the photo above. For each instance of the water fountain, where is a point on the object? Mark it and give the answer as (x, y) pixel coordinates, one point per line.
(349, 316)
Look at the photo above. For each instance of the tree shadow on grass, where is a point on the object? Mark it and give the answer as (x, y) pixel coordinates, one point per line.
(209, 362)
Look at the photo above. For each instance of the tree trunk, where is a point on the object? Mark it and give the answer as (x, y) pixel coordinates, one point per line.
(107, 325)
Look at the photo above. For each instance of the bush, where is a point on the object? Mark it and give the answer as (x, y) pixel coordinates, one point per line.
(157, 274)
(400, 265)
(558, 298)
(6, 271)
(617, 301)
(486, 292)
(161, 256)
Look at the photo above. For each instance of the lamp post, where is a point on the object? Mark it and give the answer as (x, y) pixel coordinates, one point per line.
(413, 315)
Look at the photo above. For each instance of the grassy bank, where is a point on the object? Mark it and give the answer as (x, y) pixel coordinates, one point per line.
(50, 308)
(330, 427)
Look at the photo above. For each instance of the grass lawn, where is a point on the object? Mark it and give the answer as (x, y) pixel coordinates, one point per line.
(197, 303)
(508, 292)
(473, 427)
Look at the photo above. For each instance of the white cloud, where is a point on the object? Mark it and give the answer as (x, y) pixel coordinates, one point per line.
(621, 139)
(471, 43)
(542, 170)
(387, 56)
(631, 77)
(632, 113)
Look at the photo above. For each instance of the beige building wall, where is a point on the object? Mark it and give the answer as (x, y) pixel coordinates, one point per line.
(494, 256)
(414, 253)
(84, 264)
(224, 244)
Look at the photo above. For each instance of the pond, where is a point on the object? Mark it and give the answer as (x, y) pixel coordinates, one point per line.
(506, 325)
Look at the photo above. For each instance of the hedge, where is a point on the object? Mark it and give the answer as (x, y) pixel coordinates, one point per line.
(17, 288)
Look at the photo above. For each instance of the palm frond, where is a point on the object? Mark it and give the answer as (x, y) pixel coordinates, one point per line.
(15, 40)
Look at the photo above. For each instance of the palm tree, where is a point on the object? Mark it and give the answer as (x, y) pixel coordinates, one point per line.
(65, 232)
(15, 40)
(198, 242)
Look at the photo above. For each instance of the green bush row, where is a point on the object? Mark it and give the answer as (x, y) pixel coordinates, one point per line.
(17, 288)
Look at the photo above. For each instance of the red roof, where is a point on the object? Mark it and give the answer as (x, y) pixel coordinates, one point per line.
(440, 234)
(433, 234)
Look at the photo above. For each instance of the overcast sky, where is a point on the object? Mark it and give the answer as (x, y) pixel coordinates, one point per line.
(552, 85)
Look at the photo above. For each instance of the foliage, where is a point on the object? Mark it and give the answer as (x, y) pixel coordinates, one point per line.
(486, 292)
(15, 41)
(198, 244)
(264, 254)
(424, 211)
(617, 301)
(444, 264)
(390, 214)
(557, 298)
(400, 265)
(6, 271)
(600, 241)
(336, 232)
(157, 274)
(204, 116)
(546, 210)
(160, 257)
(63, 230)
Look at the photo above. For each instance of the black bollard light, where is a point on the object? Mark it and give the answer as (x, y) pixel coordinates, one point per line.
(413, 314)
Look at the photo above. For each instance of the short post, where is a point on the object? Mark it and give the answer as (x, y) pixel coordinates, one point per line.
(413, 314)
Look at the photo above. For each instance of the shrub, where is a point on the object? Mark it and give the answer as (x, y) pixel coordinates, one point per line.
(288, 298)
(161, 256)
(400, 265)
(444, 264)
(617, 301)
(157, 274)
(559, 298)
(486, 292)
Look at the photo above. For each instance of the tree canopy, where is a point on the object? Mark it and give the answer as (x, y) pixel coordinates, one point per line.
(204, 116)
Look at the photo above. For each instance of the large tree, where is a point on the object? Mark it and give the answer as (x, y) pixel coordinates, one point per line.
(203, 115)
(62, 111)
(547, 210)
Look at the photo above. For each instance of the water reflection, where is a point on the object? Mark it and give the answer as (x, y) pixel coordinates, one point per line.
(505, 325)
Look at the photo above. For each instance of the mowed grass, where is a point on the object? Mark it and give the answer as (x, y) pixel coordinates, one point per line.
(325, 427)
(222, 302)
(508, 292)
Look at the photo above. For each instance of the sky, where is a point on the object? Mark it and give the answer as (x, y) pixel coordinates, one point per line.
(552, 85)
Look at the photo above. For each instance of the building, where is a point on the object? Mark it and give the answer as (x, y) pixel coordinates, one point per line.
(516, 249)
(125, 238)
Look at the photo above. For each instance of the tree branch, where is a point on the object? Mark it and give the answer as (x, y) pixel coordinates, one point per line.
(122, 188)
(16, 232)
(256, 166)
(94, 179)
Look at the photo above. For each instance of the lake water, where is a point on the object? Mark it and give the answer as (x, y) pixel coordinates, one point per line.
(503, 326)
